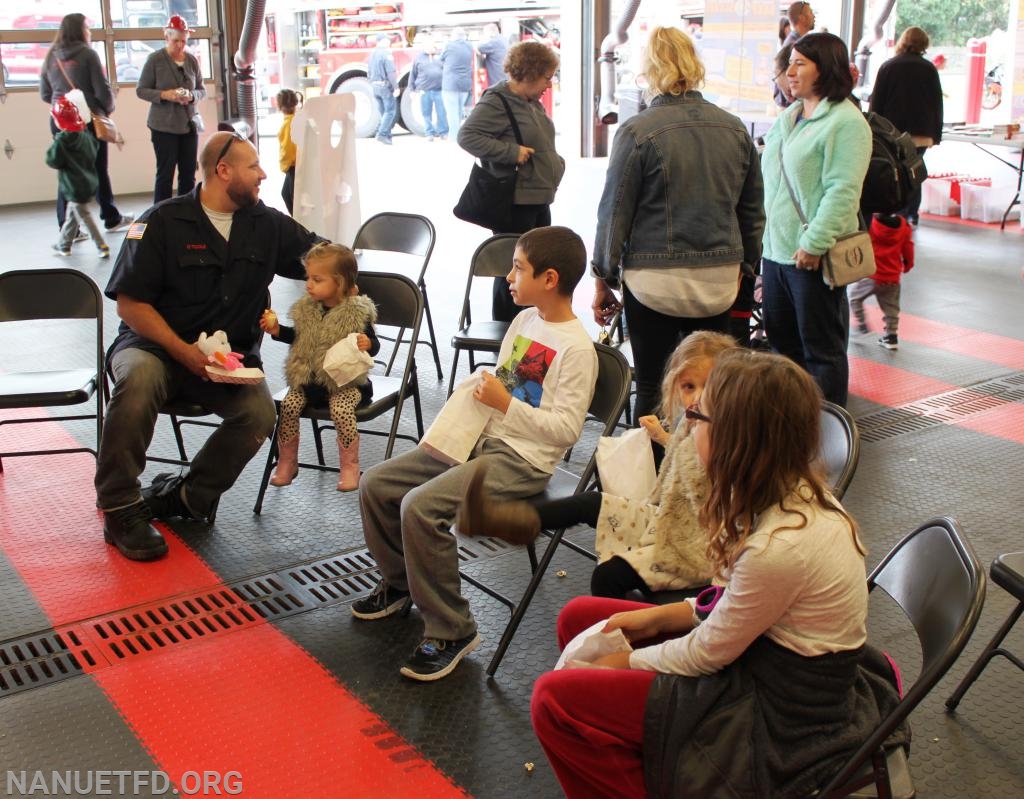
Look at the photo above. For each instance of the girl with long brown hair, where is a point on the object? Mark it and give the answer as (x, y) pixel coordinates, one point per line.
(782, 647)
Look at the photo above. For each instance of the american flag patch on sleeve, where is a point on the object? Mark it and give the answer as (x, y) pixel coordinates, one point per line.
(136, 230)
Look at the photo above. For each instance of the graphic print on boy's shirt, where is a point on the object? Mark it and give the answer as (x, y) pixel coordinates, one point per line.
(523, 374)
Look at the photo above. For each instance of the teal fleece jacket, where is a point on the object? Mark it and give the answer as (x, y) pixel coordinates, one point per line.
(827, 157)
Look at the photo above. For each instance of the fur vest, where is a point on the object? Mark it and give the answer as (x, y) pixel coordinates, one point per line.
(660, 536)
(317, 331)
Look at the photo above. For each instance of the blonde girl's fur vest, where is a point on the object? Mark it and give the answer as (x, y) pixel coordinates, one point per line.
(660, 536)
(316, 332)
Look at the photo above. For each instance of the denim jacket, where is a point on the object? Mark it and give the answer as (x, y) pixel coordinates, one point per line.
(683, 188)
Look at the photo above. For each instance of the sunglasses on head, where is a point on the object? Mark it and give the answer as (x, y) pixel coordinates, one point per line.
(235, 136)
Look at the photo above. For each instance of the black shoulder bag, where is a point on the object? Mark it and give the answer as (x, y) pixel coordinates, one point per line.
(487, 199)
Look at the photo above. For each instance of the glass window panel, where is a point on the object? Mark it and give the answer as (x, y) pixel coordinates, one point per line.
(46, 14)
(130, 56)
(154, 13)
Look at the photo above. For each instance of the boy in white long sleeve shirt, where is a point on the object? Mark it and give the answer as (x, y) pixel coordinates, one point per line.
(547, 368)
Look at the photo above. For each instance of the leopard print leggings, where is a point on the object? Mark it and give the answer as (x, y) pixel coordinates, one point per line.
(343, 402)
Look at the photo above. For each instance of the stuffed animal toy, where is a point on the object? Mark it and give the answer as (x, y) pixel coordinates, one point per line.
(218, 350)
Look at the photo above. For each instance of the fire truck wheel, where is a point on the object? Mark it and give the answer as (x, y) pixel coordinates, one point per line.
(410, 113)
(367, 115)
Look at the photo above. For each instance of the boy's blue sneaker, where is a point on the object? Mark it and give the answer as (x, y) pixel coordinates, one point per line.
(435, 658)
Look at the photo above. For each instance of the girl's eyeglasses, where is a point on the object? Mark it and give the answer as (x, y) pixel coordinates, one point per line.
(694, 415)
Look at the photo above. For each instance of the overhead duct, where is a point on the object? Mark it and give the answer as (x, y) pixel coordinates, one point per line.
(607, 105)
(245, 60)
(862, 58)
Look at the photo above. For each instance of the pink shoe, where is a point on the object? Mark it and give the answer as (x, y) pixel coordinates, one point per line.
(348, 479)
(287, 462)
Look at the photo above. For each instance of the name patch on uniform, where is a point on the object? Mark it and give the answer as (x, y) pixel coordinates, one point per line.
(196, 247)
(136, 230)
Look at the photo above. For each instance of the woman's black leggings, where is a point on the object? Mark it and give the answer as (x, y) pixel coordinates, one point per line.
(613, 578)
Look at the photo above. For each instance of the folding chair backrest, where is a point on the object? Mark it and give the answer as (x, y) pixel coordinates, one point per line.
(936, 579)
(48, 294)
(398, 300)
(395, 232)
(612, 389)
(839, 447)
(493, 258)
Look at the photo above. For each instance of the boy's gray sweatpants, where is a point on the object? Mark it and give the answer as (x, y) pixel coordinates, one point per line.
(409, 503)
(888, 296)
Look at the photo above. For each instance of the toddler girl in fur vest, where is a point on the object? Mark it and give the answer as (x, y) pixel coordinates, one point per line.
(331, 310)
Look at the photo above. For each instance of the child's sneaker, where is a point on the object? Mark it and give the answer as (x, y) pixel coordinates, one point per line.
(104, 251)
(890, 342)
(63, 252)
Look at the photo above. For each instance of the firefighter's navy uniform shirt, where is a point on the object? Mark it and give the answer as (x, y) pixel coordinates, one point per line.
(174, 259)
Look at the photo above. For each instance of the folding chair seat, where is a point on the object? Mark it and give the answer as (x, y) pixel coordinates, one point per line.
(935, 578)
(610, 395)
(493, 258)
(1007, 572)
(53, 294)
(399, 305)
(391, 232)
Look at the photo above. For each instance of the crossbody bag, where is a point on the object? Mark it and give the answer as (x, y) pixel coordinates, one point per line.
(849, 259)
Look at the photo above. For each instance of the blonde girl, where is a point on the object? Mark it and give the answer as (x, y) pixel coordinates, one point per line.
(783, 646)
(288, 101)
(654, 544)
(331, 310)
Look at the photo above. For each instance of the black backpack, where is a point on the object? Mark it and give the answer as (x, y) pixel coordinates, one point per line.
(895, 169)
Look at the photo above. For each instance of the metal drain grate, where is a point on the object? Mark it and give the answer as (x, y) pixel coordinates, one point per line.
(338, 578)
(471, 549)
(271, 597)
(948, 408)
(42, 659)
(151, 628)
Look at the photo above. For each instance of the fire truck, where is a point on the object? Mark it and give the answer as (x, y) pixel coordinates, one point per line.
(319, 49)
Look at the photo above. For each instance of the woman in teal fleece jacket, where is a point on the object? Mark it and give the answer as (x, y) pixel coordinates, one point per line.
(826, 144)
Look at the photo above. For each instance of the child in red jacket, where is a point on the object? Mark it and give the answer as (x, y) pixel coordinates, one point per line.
(894, 254)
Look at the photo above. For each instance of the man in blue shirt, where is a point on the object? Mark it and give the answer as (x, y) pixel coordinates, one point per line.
(456, 78)
(425, 79)
(492, 52)
(384, 80)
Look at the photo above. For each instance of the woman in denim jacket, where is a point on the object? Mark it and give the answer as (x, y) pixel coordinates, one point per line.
(827, 145)
(682, 209)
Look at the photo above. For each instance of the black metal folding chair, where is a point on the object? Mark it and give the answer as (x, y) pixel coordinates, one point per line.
(935, 578)
(410, 234)
(57, 294)
(493, 258)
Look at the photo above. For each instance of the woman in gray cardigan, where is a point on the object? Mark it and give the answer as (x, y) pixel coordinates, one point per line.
(172, 81)
(488, 135)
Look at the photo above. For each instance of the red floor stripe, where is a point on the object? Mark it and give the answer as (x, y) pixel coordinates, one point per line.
(989, 347)
(889, 385)
(1006, 422)
(253, 702)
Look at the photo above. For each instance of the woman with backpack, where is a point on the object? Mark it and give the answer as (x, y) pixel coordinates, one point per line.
(69, 64)
(908, 93)
(820, 146)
